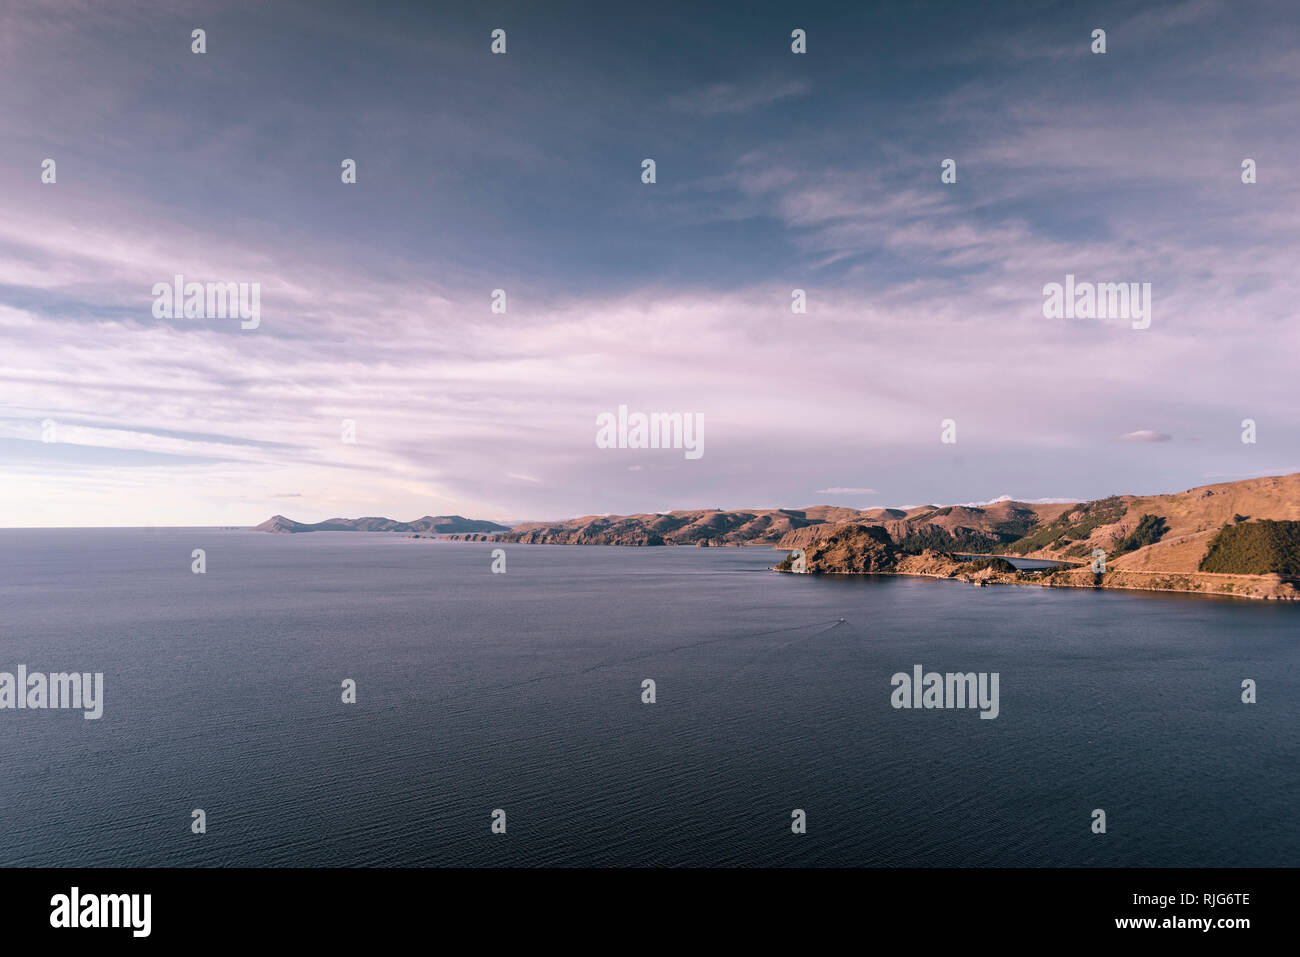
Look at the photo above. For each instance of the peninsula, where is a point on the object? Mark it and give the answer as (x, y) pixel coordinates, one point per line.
(1235, 538)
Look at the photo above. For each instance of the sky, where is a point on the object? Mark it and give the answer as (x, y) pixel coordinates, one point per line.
(522, 171)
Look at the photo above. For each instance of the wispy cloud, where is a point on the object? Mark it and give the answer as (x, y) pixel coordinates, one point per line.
(1026, 501)
(1145, 435)
(735, 98)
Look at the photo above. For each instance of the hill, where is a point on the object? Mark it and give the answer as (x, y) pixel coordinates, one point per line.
(955, 527)
(1234, 538)
(701, 527)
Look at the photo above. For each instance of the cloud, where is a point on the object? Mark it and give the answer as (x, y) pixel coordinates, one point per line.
(842, 490)
(1145, 435)
(1025, 501)
(732, 98)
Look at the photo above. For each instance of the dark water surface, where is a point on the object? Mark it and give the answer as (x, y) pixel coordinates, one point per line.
(1021, 564)
(522, 691)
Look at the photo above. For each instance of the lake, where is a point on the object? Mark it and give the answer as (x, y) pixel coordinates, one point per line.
(1020, 564)
(523, 692)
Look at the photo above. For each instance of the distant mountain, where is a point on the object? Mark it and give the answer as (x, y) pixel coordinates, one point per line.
(1237, 538)
(952, 527)
(1152, 532)
(693, 527)
(430, 524)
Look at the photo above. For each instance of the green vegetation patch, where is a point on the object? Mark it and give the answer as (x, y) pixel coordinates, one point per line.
(916, 540)
(1150, 529)
(1255, 548)
(997, 564)
(1105, 511)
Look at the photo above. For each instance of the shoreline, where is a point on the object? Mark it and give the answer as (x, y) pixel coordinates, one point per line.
(1253, 587)
(1049, 584)
(944, 567)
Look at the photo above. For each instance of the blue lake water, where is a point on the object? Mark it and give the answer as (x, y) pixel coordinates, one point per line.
(1021, 564)
(522, 692)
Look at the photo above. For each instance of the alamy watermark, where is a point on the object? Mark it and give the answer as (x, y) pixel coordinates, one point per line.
(57, 690)
(75, 909)
(209, 300)
(655, 430)
(950, 690)
(1102, 300)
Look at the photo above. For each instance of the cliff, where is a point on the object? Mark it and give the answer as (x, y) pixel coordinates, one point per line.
(1237, 538)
